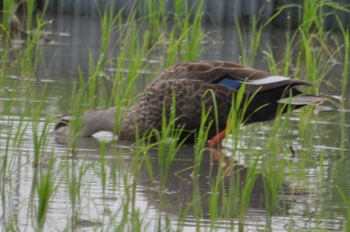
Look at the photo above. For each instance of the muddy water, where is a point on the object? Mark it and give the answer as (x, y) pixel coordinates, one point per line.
(315, 164)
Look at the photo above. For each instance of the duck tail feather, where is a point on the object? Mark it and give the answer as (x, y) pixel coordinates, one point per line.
(303, 100)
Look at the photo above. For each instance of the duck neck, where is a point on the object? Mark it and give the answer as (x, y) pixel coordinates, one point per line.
(119, 121)
(99, 120)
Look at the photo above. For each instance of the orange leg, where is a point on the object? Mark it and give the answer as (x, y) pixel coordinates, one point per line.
(216, 141)
(214, 145)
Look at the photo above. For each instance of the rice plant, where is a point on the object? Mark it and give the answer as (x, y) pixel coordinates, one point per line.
(290, 151)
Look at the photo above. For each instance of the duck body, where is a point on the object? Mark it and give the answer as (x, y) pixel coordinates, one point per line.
(192, 86)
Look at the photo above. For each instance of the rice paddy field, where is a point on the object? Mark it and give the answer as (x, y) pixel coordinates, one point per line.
(290, 174)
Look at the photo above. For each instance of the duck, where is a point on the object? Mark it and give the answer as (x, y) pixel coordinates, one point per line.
(186, 89)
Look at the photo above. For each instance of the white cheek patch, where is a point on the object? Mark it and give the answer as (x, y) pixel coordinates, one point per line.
(267, 80)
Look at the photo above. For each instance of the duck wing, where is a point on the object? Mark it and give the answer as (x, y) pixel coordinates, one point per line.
(229, 74)
(190, 97)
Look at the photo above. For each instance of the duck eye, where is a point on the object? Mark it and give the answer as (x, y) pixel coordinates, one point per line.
(61, 123)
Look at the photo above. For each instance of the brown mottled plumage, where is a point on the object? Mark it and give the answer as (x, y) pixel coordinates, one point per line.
(190, 82)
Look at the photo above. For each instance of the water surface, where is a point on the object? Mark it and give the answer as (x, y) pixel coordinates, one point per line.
(317, 171)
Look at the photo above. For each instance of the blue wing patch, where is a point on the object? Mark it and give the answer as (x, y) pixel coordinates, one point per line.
(233, 84)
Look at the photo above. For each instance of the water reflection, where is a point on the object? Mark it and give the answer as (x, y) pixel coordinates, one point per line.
(179, 189)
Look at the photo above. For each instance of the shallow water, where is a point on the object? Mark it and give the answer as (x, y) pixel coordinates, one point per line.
(315, 169)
